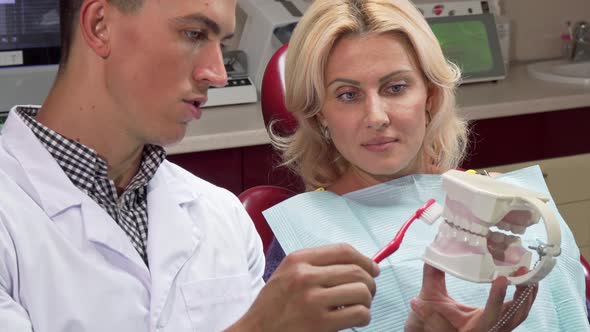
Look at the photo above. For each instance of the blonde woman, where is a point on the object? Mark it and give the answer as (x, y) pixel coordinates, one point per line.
(375, 100)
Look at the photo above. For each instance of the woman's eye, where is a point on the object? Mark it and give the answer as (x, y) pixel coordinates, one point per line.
(347, 96)
(397, 88)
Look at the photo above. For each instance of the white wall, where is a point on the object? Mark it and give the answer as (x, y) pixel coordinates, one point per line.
(539, 23)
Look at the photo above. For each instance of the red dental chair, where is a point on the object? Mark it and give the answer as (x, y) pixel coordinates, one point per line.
(272, 99)
(260, 198)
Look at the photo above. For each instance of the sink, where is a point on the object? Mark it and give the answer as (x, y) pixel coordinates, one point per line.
(561, 71)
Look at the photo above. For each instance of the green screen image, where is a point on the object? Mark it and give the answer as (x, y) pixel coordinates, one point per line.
(465, 44)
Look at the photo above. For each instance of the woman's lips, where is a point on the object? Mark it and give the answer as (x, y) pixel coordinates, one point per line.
(380, 144)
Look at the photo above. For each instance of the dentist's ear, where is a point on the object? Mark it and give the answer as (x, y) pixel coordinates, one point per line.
(94, 27)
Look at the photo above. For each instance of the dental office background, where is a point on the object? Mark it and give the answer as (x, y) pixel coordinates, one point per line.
(229, 146)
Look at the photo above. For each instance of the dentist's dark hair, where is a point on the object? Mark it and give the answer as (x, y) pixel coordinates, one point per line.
(69, 11)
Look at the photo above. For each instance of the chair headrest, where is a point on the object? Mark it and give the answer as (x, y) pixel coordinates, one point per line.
(272, 94)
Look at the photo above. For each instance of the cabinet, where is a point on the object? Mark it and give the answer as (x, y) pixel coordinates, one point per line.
(568, 179)
(559, 142)
(238, 169)
(514, 139)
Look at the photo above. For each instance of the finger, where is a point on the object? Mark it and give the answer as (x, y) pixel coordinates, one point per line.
(438, 323)
(336, 254)
(430, 319)
(455, 313)
(347, 317)
(433, 283)
(494, 304)
(346, 295)
(523, 311)
(334, 275)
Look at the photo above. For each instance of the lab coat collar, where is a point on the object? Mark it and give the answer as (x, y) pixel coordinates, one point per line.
(48, 185)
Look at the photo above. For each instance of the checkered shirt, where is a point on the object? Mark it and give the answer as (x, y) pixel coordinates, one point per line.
(89, 173)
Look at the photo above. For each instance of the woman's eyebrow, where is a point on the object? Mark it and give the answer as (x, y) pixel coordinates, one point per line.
(393, 74)
(345, 80)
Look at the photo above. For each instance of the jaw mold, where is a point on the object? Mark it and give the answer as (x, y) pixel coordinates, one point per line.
(466, 247)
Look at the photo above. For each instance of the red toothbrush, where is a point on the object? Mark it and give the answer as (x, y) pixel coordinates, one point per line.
(429, 212)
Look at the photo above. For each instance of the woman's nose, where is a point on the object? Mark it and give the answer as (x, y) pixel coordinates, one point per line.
(376, 113)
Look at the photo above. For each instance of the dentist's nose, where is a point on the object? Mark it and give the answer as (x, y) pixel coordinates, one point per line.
(376, 114)
(210, 66)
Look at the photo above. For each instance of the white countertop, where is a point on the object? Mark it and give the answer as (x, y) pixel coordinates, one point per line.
(242, 125)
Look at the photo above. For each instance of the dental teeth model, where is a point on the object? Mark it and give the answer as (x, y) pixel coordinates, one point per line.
(467, 248)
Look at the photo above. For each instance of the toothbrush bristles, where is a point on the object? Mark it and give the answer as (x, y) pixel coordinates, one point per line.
(432, 213)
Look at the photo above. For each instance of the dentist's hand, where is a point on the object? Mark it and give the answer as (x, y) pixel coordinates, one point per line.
(327, 288)
(435, 310)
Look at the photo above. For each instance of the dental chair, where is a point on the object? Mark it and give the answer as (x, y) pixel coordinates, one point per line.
(260, 198)
(272, 100)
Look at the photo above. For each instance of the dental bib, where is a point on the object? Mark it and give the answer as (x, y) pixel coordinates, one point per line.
(466, 247)
(369, 218)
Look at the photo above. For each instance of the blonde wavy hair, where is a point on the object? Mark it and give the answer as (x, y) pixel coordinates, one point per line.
(306, 151)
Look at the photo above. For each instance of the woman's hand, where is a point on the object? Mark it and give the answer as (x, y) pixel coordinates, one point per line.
(435, 310)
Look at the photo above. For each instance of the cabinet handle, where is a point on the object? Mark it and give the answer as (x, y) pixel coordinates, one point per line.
(545, 175)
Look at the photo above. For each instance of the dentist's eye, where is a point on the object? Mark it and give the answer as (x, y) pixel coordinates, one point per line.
(195, 35)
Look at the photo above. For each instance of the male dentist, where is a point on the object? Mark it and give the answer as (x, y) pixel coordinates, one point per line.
(98, 232)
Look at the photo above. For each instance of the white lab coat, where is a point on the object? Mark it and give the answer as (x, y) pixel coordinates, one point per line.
(65, 265)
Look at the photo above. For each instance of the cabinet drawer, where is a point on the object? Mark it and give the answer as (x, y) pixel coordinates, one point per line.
(568, 178)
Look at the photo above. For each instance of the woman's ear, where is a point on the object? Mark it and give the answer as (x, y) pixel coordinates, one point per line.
(322, 119)
(430, 95)
(94, 27)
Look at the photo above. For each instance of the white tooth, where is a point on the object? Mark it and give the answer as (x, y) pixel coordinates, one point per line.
(452, 232)
(474, 240)
(442, 229)
(497, 237)
(477, 228)
(512, 240)
(483, 231)
(503, 225)
(463, 223)
(517, 229)
(449, 212)
(465, 236)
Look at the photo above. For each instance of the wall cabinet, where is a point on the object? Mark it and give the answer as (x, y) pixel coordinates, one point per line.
(238, 169)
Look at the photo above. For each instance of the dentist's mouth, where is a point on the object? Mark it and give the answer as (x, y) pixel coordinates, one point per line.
(195, 108)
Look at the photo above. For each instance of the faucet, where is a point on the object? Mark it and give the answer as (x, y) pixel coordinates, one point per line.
(581, 42)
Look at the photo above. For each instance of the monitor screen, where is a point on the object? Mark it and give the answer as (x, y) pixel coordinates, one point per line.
(471, 42)
(29, 32)
(465, 43)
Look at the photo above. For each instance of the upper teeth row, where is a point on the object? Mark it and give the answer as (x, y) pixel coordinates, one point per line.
(469, 226)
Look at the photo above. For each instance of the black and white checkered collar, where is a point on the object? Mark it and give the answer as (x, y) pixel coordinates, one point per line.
(82, 165)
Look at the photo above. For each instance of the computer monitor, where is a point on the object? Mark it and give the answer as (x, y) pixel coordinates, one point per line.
(472, 43)
(29, 50)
